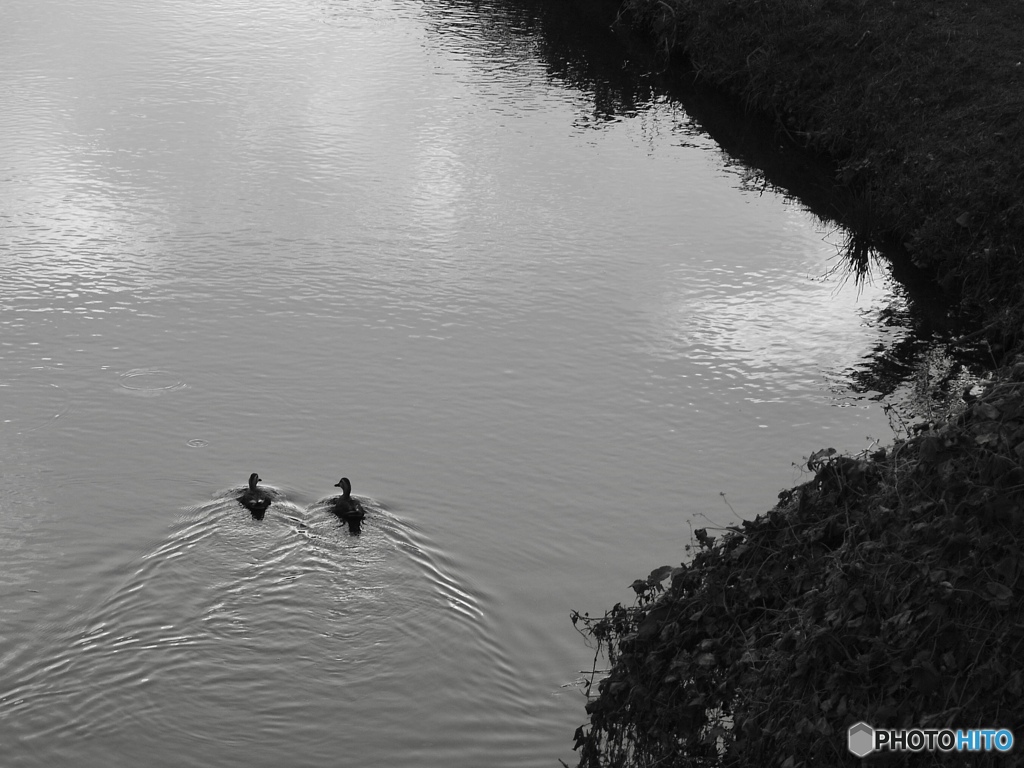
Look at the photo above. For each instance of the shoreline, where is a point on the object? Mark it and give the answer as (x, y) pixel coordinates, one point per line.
(920, 110)
(883, 590)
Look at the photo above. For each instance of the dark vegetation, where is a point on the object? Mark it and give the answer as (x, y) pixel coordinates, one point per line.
(919, 104)
(890, 587)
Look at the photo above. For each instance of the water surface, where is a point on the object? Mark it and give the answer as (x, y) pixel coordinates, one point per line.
(384, 240)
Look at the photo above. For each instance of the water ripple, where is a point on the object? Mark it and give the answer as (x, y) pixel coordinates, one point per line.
(149, 382)
(269, 616)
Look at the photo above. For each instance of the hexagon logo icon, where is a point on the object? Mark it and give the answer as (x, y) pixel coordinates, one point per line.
(860, 739)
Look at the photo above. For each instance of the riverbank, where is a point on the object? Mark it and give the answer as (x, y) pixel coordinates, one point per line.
(919, 105)
(887, 590)
(884, 590)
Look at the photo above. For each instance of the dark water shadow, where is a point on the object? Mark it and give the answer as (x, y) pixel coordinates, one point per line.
(622, 78)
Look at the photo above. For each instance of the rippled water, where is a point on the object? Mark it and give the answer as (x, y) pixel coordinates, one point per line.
(388, 240)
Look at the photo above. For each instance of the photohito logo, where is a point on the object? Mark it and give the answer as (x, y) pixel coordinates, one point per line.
(862, 740)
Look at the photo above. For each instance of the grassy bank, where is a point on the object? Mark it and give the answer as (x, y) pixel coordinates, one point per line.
(889, 589)
(920, 105)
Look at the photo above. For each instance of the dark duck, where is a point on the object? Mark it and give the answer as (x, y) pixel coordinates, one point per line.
(256, 500)
(348, 510)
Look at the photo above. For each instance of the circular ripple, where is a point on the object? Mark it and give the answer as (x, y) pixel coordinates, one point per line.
(197, 442)
(149, 382)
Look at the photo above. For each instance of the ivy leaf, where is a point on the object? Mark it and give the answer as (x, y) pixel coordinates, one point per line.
(1000, 594)
(706, 660)
(658, 575)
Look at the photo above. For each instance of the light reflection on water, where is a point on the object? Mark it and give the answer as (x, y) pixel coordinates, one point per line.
(379, 240)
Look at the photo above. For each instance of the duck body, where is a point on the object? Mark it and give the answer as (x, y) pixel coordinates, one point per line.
(256, 500)
(348, 509)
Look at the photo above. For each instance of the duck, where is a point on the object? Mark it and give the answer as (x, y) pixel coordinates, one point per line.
(256, 500)
(349, 510)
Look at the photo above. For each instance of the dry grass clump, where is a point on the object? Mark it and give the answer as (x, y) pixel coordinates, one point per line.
(889, 589)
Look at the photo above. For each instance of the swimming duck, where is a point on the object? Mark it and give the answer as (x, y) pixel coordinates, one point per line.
(345, 507)
(256, 500)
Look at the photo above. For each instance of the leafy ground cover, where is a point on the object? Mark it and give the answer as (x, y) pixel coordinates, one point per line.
(889, 589)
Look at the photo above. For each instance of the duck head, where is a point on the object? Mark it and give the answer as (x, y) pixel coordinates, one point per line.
(345, 485)
(253, 479)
